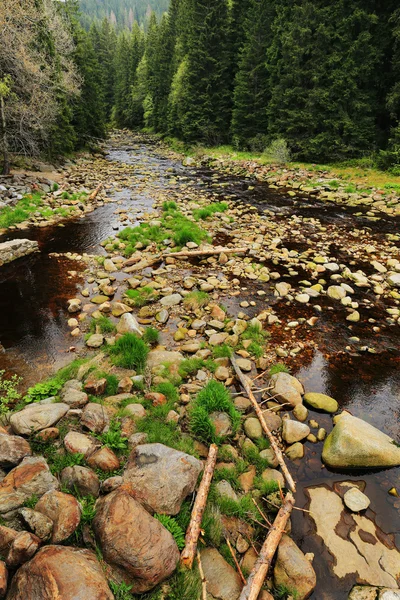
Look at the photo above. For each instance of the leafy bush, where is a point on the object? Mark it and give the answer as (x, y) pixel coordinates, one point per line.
(172, 526)
(130, 352)
(8, 391)
(214, 397)
(44, 390)
(277, 151)
(113, 438)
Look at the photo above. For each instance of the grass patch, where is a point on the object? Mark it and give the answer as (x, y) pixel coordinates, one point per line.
(223, 351)
(255, 333)
(255, 349)
(130, 352)
(252, 455)
(169, 390)
(266, 487)
(213, 398)
(142, 296)
(104, 324)
(196, 300)
(169, 434)
(32, 501)
(113, 438)
(151, 336)
(171, 205)
(278, 368)
(210, 210)
(190, 366)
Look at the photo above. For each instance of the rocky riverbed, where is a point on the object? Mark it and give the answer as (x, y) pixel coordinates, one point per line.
(283, 284)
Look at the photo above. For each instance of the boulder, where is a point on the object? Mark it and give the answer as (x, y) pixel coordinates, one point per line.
(65, 512)
(97, 387)
(74, 398)
(141, 552)
(223, 582)
(12, 450)
(22, 548)
(321, 402)
(294, 431)
(161, 477)
(31, 477)
(82, 479)
(128, 324)
(95, 340)
(293, 570)
(95, 417)
(61, 573)
(37, 523)
(354, 443)
(3, 579)
(159, 357)
(295, 451)
(37, 417)
(252, 428)
(287, 389)
(367, 592)
(104, 459)
(79, 443)
(171, 300)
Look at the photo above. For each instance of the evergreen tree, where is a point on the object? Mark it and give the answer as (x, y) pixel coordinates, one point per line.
(104, 40)
(251, 93)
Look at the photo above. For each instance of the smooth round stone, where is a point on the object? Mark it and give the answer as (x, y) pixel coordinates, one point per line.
(356, 500)
(321, 402)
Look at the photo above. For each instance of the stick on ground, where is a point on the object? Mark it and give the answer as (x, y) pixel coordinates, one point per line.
(246, 385)
(193, 531)
(96, 191)
(211, 252)
(256, 578)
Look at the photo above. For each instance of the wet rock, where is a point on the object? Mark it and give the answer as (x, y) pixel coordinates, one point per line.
(354, 317)
(141, 552)
(300, 412)
(162, 316)
(321, 402)
(61, 573)
(63, 510)
(22, 548)
(269, 455)
(293, 431)
(293, 570)
(273, 421)
(336, 292)
(82, 479)
(222, 423)
(161, 477)
(355, 443)
(31, 477)
(216, 339)
(225, 490)
(128, 324)
(253, 429)
(171, 300)
(95, 417)
(74, 305)
(356, 500)
(104, 459)
(99, 299)
(37, 523)
(95, 341)
(119, 308)
(366, 592)
(79, 443)
(37, 417)
(287, 389)
(295, 451)
(223, 582)
(273, 475)
(12, 450)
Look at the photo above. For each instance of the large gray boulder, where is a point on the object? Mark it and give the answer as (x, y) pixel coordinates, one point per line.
(161, 477)
(354, 443)
(139, 550)
(37, 417)
(60, 573)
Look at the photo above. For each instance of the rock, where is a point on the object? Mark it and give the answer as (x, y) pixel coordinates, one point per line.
(241, 403)
(136, 411)
(79, 443)
(249, 560)
(273, 421)
(141, 552)
(244, 364)
(222, 373)
(31, 477)
(99, 299)
(356, 500)
(137, 439)
(48, 434)
(95, 417)
(354, 317)
(74, 398)
(162, 316)
(216, 339)
(273, 475)
(118, 398)
(295, 451)
(22, 548)
(225, 490)
(125, 385)
(287, 389)
(336, 292)
(366, 592)
(355, 443)
(65, 512)
(12, 450)
(171, 300)
(270, 456)
(96, 387)
(321, 402)
(253, 429)
(283, 288)
(82, 479)
(74, 305)
(293, 570)
(128, 324)
(356, 544)
(159, 357)
(61, 573)
(37, 523)
(37, 417)
(222, 423)
(293, 431)
(118, 309)
(95, 341)
(104, 459)
(223, 582)
(161, 477)
(393, 279)
(300, 412)
(246, 479)
(3, 579)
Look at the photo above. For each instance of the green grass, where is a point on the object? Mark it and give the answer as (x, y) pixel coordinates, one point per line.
(169, 390)
(190, 366)
(196, 300)
(255, 350)
(121, 591)
(174, 528)
(113, 438)
(278, 368)
(130, 352)
(252, 455)
(142, 296)
(266, 487)
(210, 210)
(223, 351)
(255, 333)
(22, 210)
(167, 206)
(214, 397)
(151, 336)
(32, 501)
(104, 324)
(169, 434)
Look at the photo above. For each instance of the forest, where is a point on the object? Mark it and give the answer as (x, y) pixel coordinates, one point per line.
(121, 13)
(321, 79)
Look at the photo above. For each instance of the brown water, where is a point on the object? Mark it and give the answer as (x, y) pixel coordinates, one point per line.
(33, 329)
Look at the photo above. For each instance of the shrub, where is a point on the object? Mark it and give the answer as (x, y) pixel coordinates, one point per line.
(40, 391)
(8, 391)
(151, 336)
(130, 352)
(277, 151)
(214, 397)
(172, 526)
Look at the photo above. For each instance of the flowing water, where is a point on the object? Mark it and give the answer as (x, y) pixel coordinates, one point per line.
(34, 333)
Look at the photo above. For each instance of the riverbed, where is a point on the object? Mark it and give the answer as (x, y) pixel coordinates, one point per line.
(363, 377)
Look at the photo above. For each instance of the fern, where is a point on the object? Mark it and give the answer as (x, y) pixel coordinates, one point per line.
(175, 530)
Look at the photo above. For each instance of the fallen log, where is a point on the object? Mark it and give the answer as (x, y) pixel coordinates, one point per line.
(143, 264)
(194, 528)
(96, 191)
(257, 577)
(211, 252)
(246, 385)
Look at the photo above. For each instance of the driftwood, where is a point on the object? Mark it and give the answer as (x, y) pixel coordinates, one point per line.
(193, 530)
(143, 264)
(256, 578)
(246, 385)
(96, 191)
(211, 252)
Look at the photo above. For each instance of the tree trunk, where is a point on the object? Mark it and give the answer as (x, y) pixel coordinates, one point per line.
(6, 159)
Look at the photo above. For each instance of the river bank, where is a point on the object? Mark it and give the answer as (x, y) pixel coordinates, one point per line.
(302, 272)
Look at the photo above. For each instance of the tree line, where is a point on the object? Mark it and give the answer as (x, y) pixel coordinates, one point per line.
(121, 13)
(325, 76)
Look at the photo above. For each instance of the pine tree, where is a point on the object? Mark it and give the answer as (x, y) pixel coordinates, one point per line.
(251, 93)
(104, 40)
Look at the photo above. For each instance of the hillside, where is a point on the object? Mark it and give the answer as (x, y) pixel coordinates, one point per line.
(121, 12)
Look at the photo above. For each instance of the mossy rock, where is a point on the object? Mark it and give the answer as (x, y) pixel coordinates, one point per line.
(321, 402)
